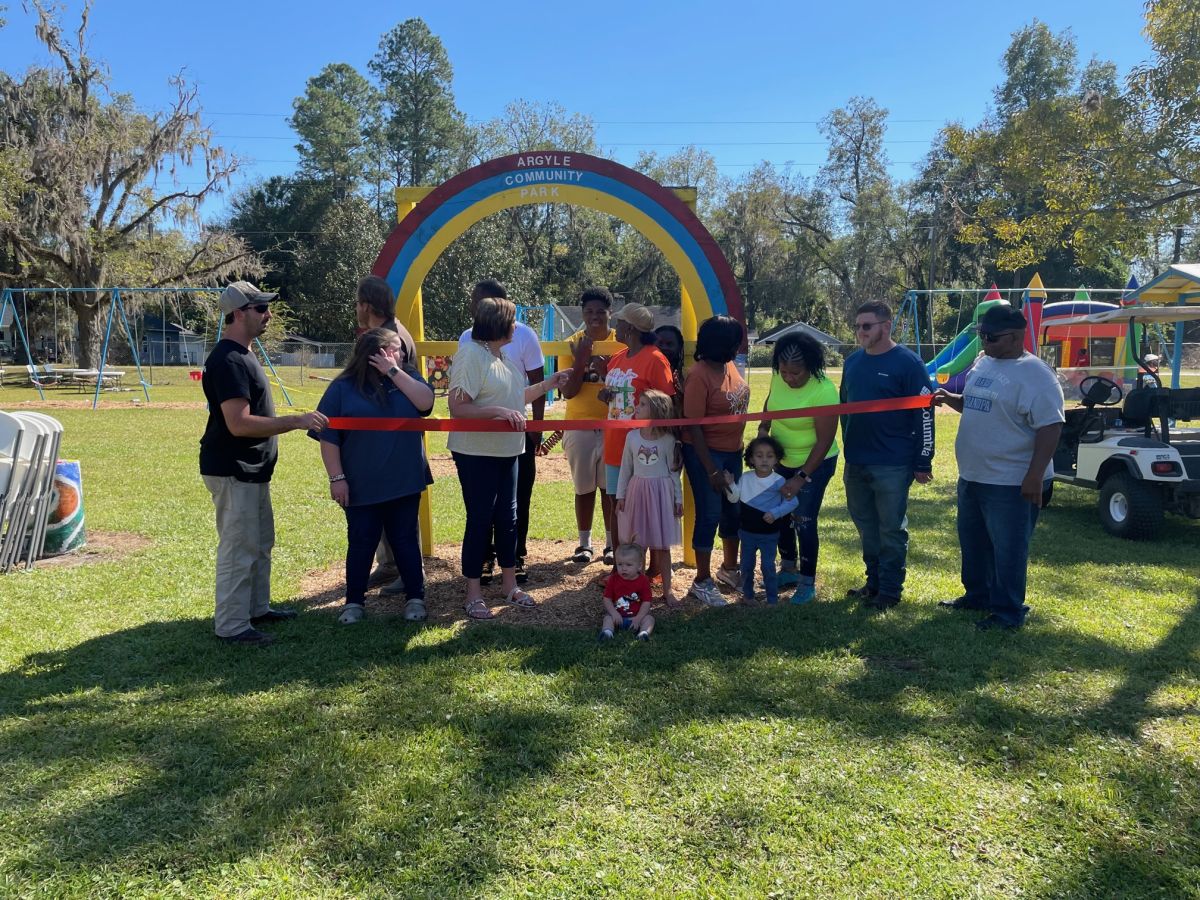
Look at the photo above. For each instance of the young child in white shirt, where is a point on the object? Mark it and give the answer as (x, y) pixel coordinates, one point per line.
(760, 506)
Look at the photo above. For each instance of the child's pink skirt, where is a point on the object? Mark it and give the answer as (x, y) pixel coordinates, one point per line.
(649, 516)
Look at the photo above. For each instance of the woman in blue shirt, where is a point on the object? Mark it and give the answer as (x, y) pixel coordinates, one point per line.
(377, 477)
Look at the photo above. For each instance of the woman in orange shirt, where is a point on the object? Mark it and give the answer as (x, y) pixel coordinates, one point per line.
(630, 372)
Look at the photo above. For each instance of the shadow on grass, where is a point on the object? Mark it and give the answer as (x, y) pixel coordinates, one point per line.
(157, 744)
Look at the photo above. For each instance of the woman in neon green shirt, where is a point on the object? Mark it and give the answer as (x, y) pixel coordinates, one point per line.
(810, 452)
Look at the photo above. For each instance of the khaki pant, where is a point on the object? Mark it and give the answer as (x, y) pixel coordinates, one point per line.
(246, 534)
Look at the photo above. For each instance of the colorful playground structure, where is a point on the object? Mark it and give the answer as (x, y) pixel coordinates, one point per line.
(1076, 351)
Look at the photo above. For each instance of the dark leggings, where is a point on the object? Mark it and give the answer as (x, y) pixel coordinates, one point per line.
(802, 523)
(398, 520)
(489, 489)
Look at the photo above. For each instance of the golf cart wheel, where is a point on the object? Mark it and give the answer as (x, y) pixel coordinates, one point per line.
(1129, 508)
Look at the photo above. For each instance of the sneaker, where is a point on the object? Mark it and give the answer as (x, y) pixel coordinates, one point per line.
(994, 622)
(788, 578)
(643, 635)
(393, 588)
(522, 575)
(414, 610)
(351, 613)
(382, 574)
(250, 636)
(729, 578)
(608, 558)
(273, 615)
(804, 594)
(489, 571)
(881, 601)
(706, 592)
(963, 603)
(604, 635)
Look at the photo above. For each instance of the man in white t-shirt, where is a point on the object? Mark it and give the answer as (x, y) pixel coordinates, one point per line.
(526, 351)
(1012, 415)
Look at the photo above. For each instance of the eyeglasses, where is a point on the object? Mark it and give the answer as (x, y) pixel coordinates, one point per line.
(865, 326)
(992, 338)
(259, 308)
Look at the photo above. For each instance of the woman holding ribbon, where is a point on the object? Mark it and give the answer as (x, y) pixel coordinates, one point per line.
(485, 384)
(377, 477)
(810, 452)
(631, 372)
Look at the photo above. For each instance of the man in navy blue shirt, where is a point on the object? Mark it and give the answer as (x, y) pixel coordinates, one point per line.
(884, 452)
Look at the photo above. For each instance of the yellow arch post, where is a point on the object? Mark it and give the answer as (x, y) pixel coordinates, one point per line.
(690, 328)
(412, 316)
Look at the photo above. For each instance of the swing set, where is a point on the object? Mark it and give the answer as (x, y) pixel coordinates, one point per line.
(116, 303)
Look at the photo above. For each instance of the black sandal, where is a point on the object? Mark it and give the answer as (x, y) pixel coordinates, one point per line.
(583, 555)
(609, 559)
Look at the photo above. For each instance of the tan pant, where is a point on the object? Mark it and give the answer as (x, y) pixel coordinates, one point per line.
(246, 534)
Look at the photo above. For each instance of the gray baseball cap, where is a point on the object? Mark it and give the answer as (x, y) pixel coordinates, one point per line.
(243, 293)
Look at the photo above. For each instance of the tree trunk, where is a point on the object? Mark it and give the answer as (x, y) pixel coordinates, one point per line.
(88, 313)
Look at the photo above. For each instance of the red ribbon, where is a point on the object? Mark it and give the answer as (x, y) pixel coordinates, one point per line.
(355, 423)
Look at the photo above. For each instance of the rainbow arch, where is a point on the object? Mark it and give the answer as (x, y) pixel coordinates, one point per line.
(558, 176)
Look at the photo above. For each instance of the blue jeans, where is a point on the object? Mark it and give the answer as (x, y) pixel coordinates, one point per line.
(754, 544)
(489, 489)
(398, 520)
(877, 499)
(995, 524)
(803, 521)
(714, 513)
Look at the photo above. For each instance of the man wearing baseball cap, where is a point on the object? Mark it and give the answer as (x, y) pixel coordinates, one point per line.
(1012, 415)
(237, 457)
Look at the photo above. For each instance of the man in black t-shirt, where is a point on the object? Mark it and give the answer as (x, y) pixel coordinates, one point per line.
(237, 457)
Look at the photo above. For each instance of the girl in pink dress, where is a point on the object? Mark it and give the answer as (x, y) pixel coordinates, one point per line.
(649, 495)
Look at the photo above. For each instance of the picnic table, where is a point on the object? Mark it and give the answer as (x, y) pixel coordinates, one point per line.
(87, 378)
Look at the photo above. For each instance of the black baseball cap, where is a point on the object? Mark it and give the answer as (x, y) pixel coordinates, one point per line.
(1001, 317)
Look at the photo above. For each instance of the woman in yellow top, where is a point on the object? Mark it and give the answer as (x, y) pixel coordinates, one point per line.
(810, 452)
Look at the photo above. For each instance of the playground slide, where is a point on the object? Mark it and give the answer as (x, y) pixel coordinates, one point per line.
(951, 350)
(950, 367)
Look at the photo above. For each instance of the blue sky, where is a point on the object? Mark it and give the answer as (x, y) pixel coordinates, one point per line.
(654, 76)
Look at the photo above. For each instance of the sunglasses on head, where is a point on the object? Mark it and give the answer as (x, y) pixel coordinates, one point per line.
(259, 308)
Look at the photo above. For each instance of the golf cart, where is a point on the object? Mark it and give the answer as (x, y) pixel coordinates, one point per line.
(1127, 442)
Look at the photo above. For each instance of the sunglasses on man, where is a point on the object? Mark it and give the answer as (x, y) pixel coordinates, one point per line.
(992, 338)
(259, 308)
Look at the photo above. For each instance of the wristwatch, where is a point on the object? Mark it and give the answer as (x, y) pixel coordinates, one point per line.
(392, 371)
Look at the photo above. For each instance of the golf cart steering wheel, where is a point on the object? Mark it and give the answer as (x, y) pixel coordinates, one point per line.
(1096, 390)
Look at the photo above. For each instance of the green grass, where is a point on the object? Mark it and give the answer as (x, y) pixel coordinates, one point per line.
(810, 751)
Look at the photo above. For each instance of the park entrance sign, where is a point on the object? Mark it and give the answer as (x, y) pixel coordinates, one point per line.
(429, 219)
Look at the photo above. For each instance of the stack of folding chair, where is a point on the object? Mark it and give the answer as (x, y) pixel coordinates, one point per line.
(29, 445)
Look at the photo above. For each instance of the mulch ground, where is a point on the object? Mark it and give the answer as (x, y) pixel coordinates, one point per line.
(568, 594)
(101, 546)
